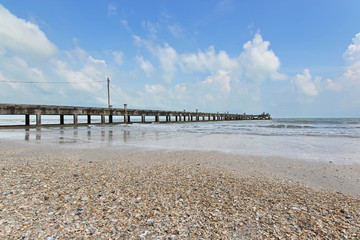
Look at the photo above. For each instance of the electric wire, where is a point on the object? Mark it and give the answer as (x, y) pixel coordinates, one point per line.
(83, 100)
(48, 82)
(62, 82)
(117, 93)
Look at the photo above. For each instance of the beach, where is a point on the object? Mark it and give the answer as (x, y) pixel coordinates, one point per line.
(54, 191)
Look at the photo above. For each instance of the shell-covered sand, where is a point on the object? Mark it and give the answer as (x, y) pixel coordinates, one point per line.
(105, 193)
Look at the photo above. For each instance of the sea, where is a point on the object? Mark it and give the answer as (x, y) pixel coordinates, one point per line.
(335, 140)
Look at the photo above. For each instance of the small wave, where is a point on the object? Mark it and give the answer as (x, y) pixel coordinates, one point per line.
(294, 126)
(277, 126)
(300, 121)
(288, 126)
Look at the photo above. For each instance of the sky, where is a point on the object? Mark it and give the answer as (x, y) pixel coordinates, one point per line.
(289, 58)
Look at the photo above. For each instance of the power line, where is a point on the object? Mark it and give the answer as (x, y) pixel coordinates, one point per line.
(49, 82)
(90, 96)
(117, 93)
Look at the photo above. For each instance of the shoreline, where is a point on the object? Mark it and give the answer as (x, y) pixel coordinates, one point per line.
(147, 194)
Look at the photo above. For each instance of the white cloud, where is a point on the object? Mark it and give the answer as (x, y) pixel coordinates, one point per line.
(220, 81)
(87, 76)
(146, 66)
(154, 89)
(112, 10)
(352, 74)
(96, 61)
(340, 94)
(17, 69)
(166, 55)
(181, 87)
(224, 7)
(305, 84)
(175, 30)
(124, 22)
(118, 57)
(351, 77)
(4, 79)
(331, 85)
(152, 28)
(26, 55)
(168, 58)
(260, 63)
(353, 52)
(211, 75)
(20, 36)
(207, 61)
(349, 82)
(255, 64)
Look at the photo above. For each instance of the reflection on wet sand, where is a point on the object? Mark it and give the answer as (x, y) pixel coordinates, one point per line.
(28, 133)
(325, 142)
(110, 135)
(71, 135)
(102, 135)
(75, 132)
(126, 135)
(38, 133)
(89, 134)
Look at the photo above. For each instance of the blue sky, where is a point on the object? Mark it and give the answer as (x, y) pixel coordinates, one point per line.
(289, 58)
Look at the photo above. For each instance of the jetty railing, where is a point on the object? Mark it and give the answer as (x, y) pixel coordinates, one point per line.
(74, 111)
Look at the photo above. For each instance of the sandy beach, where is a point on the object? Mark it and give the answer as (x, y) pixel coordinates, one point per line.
(56, 192)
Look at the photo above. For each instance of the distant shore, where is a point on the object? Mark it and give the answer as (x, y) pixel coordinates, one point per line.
(56, 191)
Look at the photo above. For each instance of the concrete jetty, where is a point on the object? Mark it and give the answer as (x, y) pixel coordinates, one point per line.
(125, 113)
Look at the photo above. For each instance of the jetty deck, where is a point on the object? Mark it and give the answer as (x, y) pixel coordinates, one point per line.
(107, 114)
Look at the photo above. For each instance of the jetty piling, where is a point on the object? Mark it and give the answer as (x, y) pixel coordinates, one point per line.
(28, 110)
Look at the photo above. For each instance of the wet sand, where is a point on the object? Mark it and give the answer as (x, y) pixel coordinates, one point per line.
(52, 191)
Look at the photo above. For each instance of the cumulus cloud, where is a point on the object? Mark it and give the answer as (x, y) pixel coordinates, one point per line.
(168, 58)
(347, 85)
(208, 74)
(20, 36)
(86, 76)
(352, 55)
(146, 66)
(258, 62)
(219, 81)
(352, 74)
(166, 55)
(208, 61)
(23, 44)
(305, 84)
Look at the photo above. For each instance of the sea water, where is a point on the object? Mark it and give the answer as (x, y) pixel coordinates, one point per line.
(335, 140)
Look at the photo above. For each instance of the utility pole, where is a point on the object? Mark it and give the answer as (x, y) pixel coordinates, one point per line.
(108, 88)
